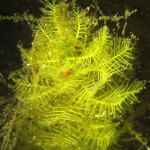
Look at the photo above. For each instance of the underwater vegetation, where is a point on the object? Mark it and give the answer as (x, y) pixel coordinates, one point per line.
(76, 83)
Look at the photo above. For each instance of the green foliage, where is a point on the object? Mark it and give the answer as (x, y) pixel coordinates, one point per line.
(74, 85)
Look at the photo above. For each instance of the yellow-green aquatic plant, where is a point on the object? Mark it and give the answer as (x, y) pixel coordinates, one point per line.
(74, 85)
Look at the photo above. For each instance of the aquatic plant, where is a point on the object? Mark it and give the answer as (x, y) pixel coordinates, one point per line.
(75, 83)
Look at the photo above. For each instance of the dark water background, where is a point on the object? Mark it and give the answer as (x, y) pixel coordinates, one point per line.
(139, 24)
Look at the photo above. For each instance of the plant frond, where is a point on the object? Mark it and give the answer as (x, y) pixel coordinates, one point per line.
(95, 52)
(120, 56)
(81, 27)
(53, 12)
(12, 128)
(113, 100)
(57, 137)
(59, 115)
(43, 30)
(23, 81)
(99, 135)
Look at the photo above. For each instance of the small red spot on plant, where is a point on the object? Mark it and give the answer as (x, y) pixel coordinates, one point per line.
(67, 73)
